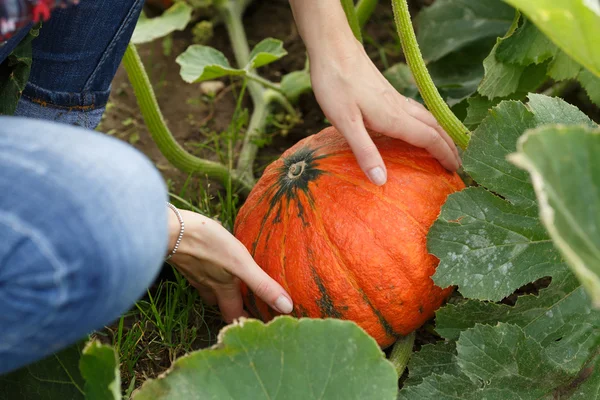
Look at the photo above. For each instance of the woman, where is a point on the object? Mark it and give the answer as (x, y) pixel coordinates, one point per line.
(84, 220)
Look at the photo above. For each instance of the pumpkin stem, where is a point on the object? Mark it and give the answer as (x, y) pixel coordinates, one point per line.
(436, 104)
(401, 352)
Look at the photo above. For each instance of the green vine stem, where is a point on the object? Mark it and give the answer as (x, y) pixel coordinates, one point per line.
(265, 82)
(455, 128)
(401, 352)
(232, 12)
(364, 10)
(348, 6)
(161, 134)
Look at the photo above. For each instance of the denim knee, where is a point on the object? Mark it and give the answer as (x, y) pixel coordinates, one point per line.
(83, 223)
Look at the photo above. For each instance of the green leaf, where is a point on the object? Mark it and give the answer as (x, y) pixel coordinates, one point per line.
(295, 84)
(488, 245)
(591, 84)
(175, 18)
(574, 26)
(559, 318)
(202, 63)
(502, 79)
(449, 25)
(526, 46)
(563, 67)
(526, 369)
(497, 362)
(562, 161)
(266, 52)
(99, 367)
(439, 358)
(456, 75)
(14, 73)
(55, 377)
(479, 107)
(590, 387)
(285, 359)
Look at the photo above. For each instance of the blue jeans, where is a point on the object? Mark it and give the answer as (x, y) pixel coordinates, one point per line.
(83, 219)
(75, 59)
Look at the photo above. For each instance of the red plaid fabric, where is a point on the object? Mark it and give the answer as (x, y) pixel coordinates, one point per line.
(15, 14)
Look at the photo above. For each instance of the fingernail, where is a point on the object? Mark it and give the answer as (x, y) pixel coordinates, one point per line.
(377, 176)
(284, 305)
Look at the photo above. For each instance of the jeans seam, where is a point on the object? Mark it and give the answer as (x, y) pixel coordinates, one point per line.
(112, 44)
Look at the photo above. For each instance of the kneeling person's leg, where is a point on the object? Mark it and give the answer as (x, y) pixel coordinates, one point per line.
(83, 232)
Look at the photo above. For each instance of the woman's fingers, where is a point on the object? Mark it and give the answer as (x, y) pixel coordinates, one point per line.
(391, 120)
(367, 155)
(418, 111)
(230, 302)
(261, 284)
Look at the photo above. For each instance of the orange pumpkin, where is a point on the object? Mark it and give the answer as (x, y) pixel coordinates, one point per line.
(343, 247)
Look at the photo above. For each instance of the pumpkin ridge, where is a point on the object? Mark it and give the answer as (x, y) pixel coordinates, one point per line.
(351, 277)
(360, 185)
(286, 218)
(325, 303)
(409, 162)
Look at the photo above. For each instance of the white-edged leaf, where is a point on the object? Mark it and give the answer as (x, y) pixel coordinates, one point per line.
(488, 245)
(573, 25)
(564, 167)
(285, 359)
(99, 366)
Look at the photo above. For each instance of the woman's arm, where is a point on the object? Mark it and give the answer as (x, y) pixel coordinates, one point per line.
(354, 95)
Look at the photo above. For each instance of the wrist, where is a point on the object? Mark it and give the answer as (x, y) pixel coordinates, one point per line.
(323, 26)
(175, 229)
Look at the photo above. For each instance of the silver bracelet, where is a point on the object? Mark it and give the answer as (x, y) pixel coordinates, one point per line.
(180, 218)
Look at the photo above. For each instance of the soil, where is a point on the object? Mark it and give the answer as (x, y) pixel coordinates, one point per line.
(191, 118)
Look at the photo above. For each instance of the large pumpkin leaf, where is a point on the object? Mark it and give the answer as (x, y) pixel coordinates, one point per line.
(503, 78)
(456, 76)
(174, 19)
(99, 367)
(563, 67)
(449, 25)
(526, 46)
(591, 84)
(559, 318)
(573, 25)
(563, 163)
(491, 242)
(439, 359)
(499, 362)
(285, 359)
(55, 377)
(589, 388)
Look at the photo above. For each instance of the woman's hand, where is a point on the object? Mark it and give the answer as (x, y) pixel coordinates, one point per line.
(355, 96)
(214, 262)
